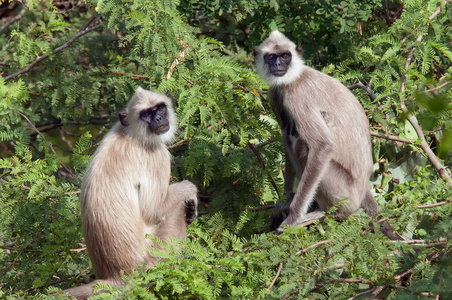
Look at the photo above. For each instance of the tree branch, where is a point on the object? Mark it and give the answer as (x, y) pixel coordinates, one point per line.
(276, 277)
(84, 30)
(439, 87)
(433, 205)
(11, 20)
(423, 145)
(360, 85)
(312, 246)
(391, 137)
(177, 59)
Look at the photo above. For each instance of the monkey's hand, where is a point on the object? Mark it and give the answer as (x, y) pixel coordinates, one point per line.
(191, 211)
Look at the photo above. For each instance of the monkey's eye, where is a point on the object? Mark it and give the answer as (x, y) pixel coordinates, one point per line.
(285, 56)
(271, 56)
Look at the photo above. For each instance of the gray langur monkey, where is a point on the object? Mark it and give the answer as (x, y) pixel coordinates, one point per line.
(126, 191)
(325, 134)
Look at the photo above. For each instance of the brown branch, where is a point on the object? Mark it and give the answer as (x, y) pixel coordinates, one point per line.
(360, 85)
(290, 294)
(84, 30)
(319, 54)
(312, 246)
(439, 87)
(377, 291)
(254, 145)
(422, 243)
(242, 28)
(431, 258)
(350, 280)
(433, 205)
(437, 11)
(50, 144)
(179, 143)
(259, 208)
(177, 59)
(391, 137)
(39, 133)
(261, 162)
(276, 277)
(362, 293)
(12, 263)
(423, 145)
(11, 20)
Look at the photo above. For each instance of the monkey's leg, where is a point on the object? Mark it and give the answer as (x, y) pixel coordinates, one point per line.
(174, 224)
(86, 290)
(186, 193)
(317, 163)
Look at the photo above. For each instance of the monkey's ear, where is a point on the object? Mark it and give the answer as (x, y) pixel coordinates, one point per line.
(255, 52)
(167, 94)
(299, 50)
(123, 118)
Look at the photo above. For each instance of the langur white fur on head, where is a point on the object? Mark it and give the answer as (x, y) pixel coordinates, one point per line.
(275, 42)
(140, 101)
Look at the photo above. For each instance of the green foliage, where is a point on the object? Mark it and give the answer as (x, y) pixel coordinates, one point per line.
(54, 113)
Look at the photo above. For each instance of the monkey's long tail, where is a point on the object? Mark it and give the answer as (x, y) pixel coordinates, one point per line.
(86, 290)
(370, 206)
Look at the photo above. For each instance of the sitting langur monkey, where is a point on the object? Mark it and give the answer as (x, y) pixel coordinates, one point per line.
(126, 191)
(325, 133)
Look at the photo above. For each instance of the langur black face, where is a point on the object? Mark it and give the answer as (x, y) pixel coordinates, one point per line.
(157, 118)
(278, 63)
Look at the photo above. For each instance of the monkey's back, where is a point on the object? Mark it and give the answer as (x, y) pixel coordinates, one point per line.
(120, 185)
(322, 104)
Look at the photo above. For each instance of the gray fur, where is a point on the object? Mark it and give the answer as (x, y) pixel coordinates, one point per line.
(330, 148)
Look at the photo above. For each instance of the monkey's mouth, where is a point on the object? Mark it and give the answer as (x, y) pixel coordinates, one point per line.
(278, 73)
(162, 129)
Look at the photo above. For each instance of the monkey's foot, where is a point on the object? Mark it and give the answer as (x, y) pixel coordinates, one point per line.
(301, 221)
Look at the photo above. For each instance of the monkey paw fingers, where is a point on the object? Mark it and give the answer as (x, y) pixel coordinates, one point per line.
(191, 211)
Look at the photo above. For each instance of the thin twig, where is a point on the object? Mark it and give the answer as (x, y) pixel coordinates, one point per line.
(261, 162)
(290, 294)
(177, 144)
(276, 277)
(439, 87)
(38, 132)
(84, 30)
(360, 85)
(11, 20)
(12, 263)
(433, 205)
(50, 144)
(312, 246)
(362, 293)
(377, 291)
(421, 243)
(391, 137)
(259, 208)
(177, 59)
